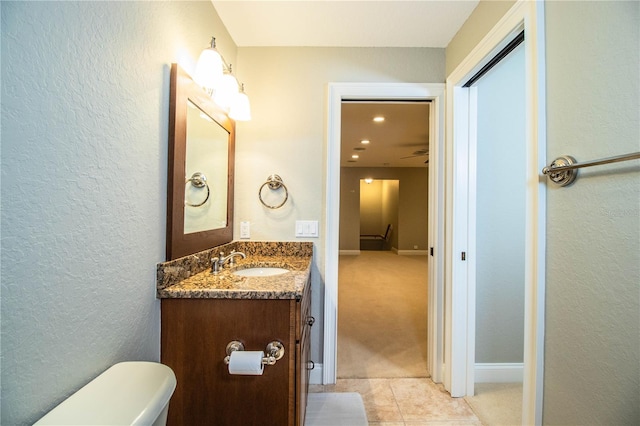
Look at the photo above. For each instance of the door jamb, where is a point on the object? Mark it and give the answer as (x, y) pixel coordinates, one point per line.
(458, 374)
(381, 91)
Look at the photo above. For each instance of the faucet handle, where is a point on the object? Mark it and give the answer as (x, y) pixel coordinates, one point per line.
(214, 265)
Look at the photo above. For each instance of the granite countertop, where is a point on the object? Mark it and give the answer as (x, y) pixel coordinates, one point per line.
(191, 277)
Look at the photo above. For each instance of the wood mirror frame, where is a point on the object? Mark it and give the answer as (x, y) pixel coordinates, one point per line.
(179, 244)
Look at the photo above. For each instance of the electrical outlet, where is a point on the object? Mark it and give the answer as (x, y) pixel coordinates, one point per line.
(245, 230)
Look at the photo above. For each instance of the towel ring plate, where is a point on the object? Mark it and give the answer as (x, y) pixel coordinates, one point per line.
(274, 182)
(198, 180)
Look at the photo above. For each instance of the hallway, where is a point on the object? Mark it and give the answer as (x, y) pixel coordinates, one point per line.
(382, 349)
(382, 316)
(382, 342)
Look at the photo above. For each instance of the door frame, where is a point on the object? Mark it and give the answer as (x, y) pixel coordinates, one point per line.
(460, 229)
(337, 92)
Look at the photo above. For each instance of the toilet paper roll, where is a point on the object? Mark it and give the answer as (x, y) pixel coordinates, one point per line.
(248, 363)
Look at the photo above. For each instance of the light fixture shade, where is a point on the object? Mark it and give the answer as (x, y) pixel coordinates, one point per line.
(226, 91)
(208, 68)
(240, 109)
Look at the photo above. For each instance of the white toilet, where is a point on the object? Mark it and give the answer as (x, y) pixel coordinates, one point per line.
(128, 393)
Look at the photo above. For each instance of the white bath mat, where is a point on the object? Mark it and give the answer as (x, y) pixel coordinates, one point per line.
(335, 409)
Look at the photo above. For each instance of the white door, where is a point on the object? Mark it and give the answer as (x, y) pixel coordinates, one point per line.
(460, 291)
(498, 183)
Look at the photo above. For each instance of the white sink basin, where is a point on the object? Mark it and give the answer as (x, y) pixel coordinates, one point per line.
(260, 272)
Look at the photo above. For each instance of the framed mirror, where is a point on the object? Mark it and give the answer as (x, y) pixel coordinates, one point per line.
(201, 167)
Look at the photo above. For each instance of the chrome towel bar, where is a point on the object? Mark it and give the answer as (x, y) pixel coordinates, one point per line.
(562, 170)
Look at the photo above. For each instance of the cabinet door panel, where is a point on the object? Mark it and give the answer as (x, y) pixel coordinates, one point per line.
(195, 333)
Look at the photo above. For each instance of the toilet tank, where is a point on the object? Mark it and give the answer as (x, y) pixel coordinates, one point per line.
(128, 393)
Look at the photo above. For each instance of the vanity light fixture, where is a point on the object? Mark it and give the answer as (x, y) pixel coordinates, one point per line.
(368, 180)
(216, 77)
(240, 109)
(209, 67)
(227, 89)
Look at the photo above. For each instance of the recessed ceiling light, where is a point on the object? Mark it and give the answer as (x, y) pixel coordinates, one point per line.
(378, 119)
(365, 141)
(355, 156)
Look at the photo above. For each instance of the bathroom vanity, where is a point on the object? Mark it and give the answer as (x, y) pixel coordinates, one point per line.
(203, 312)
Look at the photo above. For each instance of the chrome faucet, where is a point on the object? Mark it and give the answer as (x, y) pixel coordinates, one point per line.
(217, 263)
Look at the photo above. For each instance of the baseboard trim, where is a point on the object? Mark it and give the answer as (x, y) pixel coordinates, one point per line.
(349, 252)
(315, 376)
(413, 252)
(499, 372)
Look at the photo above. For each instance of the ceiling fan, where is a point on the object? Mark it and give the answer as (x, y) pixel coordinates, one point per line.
(419, 153)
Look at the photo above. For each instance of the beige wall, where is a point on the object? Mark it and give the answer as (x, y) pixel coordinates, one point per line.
(410, 227)
(379, 209)
(288, 87)
(85, 113)
(479, 23)
(592, 342)
(391, 209)
(370, 207)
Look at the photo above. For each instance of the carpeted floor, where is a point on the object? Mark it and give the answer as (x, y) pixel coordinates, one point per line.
(382, 316)
(382, 338)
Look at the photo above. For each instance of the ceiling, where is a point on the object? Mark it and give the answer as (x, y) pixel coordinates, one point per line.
(354, 23)
(357, 23)
(404, 133)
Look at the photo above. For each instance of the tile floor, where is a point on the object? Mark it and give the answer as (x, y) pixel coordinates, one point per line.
(405, 402)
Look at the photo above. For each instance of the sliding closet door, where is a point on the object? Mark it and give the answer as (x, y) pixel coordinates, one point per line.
(500, 219)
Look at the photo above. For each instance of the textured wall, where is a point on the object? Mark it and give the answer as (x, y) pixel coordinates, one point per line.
(85, 94)
(592, 337)
(592, 344)
(479, 23)
(288, 87)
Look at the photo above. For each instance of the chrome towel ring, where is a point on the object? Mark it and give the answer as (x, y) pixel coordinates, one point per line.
(274, 182)
(198, 180)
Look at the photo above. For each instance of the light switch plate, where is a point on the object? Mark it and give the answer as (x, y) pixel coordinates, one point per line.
(306, 228)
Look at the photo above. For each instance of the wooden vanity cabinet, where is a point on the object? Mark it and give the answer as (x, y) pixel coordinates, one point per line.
(304, 321)
(195, 333)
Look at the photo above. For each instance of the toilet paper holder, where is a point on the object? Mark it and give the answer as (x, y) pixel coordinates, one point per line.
(273, 352)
